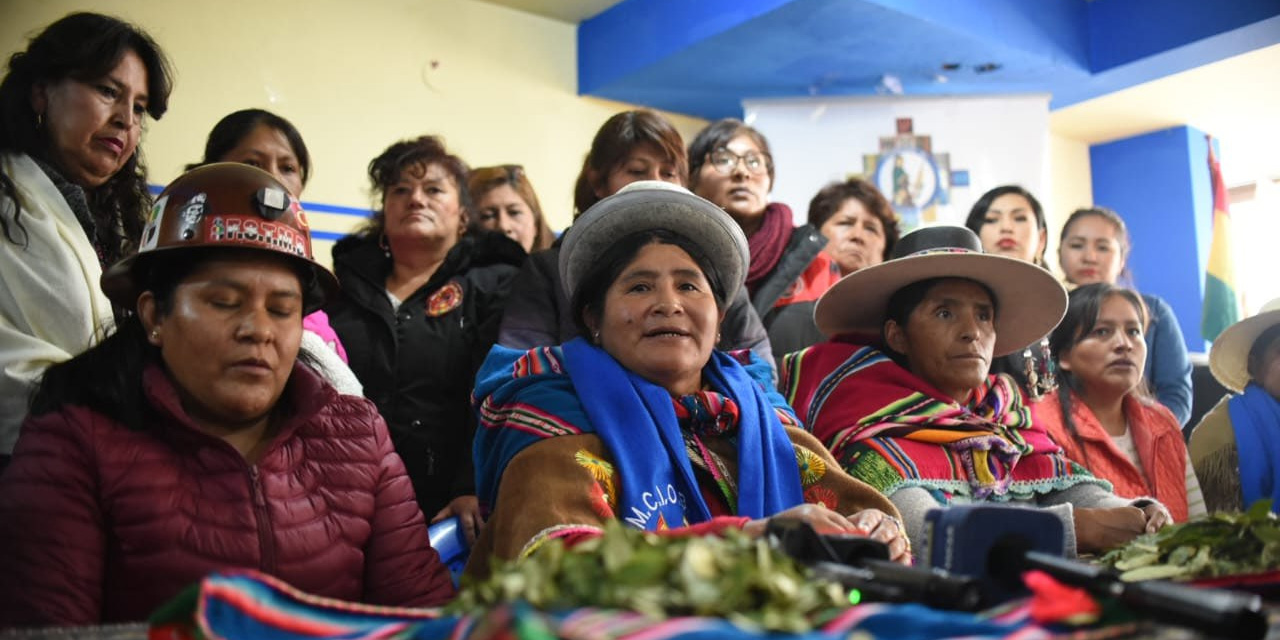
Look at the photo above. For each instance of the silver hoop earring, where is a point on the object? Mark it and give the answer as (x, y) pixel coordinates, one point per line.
(595, 337)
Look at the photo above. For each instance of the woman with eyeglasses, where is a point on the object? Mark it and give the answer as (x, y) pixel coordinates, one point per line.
(505, 201)
(730, 165)
(629, 147)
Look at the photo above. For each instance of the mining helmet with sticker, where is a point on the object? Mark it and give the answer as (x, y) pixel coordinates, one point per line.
(225, 205)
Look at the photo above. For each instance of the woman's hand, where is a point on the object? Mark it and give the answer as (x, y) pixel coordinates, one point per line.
(822, 519)
(1102, 529)
(467, 508)
(881, 526)
(872, 523)
(1158, 516)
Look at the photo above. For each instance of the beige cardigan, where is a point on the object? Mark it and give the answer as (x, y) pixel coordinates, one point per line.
(51, 305)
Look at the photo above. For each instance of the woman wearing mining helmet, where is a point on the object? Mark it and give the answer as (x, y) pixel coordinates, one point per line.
(202, 443)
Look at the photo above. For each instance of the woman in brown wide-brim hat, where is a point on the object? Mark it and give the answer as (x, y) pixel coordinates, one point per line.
(901, 391)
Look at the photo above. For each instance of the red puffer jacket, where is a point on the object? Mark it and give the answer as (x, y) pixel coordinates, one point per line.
(101, 523)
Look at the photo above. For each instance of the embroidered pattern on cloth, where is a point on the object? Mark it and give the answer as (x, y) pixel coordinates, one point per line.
(602, 472)
(703, 458)
(812, 467)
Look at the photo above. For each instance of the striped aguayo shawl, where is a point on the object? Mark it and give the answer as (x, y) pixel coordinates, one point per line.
(893, 430)
(244, 605)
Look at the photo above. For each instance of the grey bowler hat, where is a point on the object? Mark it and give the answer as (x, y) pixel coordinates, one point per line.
(650, 205)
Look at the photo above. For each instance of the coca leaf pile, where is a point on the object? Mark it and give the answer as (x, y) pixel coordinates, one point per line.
(735, 577)
(1219, 545)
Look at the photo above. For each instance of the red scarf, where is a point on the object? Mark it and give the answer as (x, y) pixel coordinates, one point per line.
(768, 243)
(1156, 434)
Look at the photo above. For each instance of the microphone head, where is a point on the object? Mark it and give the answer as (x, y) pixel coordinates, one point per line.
(799, 540)
(987, 541)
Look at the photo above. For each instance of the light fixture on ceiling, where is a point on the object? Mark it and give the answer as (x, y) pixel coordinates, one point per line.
(890, 84)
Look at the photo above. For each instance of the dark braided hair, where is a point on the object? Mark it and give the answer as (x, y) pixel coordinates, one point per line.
(1083, 306)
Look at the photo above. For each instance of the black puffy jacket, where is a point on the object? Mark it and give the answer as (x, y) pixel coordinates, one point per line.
(418, 364)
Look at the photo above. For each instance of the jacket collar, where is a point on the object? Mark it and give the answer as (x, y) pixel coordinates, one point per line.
(304, 396)
(358, 258)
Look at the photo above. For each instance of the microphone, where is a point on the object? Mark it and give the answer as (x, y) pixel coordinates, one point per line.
(862, 565)
(1232, 614)
(1003, 542)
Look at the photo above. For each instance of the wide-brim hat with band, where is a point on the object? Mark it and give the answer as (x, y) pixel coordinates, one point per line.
(1029, 300)
(224, 205)
(1229, 356)
(645, 206)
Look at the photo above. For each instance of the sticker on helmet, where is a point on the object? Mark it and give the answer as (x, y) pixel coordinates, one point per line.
(190, 216)
(151, 232)
(299, 215)
(253, 231)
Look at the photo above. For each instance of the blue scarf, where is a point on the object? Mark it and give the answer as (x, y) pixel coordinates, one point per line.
(519, 395)
(1255, 417)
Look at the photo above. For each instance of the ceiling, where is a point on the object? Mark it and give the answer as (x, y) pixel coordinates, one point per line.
(1115, 68)
(571, 11)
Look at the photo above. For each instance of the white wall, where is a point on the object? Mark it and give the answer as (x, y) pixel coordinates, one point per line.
(997, 139)
(1070, 188)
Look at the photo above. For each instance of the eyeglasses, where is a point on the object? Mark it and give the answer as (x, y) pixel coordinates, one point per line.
(725, 161)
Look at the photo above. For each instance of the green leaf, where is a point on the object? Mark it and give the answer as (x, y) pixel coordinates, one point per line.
(1153, 572)
(735, 576)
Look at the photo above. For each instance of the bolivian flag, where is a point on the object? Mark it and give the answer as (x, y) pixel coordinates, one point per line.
(1221, 304)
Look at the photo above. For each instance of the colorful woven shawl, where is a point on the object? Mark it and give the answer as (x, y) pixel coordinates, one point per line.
(245, 605)
(524, 397)
(893, 430)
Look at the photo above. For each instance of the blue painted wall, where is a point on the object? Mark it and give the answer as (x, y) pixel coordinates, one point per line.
(1159, 183)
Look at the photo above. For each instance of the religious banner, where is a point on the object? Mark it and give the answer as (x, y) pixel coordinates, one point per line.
(932, 157)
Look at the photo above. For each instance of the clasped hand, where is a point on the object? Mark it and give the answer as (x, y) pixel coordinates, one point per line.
(872, 523)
